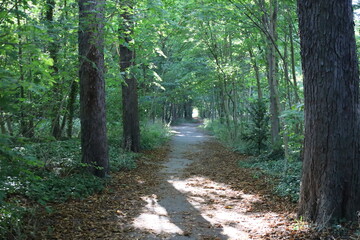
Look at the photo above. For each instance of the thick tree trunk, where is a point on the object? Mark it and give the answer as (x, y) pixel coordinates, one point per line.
(131, 126)
(330, 188)
(92, 86)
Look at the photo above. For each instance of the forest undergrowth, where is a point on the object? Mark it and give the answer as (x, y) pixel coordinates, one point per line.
(36, 173)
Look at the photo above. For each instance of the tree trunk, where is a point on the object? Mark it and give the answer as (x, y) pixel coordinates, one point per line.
(23, 125)
(270, 20)
(330, 189)
(188, 109)
(2, 123)
(92, 86)
(9, 125)
(257, 73)
(288, 82)
(71, 108)
(131, 126)
(297, 98)
(53, 51)
(273, 81)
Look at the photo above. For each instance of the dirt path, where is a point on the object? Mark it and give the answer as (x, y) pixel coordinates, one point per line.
(192, 189)
(193, 202)
(172, 212)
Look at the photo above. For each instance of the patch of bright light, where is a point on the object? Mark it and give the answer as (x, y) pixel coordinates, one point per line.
(229, 208)
(195, 113)
(155, 218)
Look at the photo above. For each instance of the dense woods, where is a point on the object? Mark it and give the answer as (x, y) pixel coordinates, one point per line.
(86, 83)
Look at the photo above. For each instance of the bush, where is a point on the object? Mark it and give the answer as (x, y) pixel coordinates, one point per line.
(120, 159)
(11, 217)
(285, 174)
(257, 132)
(220, 131)
(60, 157)
(57, 189)
(153, 135)
(293, 121)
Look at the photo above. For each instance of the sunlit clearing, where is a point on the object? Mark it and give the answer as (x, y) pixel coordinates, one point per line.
(155, 218)
(195, 113)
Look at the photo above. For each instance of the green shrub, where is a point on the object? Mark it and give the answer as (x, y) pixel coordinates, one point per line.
(153, 135)
(58, 189)
(120, 159)
(62, 157)
(11, 224)
(225, 135)
(257, 131)
(285, 174)
(219, 130)
(293, 124)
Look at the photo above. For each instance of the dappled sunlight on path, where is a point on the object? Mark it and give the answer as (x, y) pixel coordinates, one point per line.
(155, 218)
(225, 208)
(220, 207)
(188, 204)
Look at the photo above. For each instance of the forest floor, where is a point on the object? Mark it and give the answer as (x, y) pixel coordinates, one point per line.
(190, 189)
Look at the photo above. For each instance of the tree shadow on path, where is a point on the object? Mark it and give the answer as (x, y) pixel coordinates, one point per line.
(170, 215)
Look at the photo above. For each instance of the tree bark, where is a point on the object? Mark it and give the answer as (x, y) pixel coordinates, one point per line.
(2, 123)
(270, 20)
(9, 126)
(293, 70)
(188, 109)
(131, 126)
(23, 124)
(257, 73)
(92, 86)
(53, 51)
(330, 189)
(71, 108)
(273, 80)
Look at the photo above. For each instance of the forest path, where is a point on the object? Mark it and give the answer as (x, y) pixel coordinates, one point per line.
(190, 189)
(195, 201)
